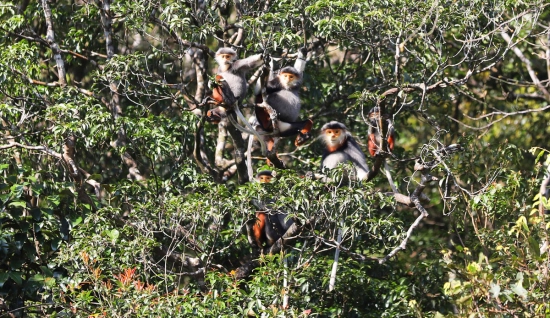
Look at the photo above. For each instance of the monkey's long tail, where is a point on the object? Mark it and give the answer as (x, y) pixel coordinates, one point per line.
(249, 157)
(332, 281)
(388, 175)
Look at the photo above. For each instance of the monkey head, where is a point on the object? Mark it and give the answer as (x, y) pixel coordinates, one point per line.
(374, 115)
(334, 133)
(265, 176)
(290, 77)
(225, 57)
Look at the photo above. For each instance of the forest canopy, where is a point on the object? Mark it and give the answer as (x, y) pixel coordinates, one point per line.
(129, 155)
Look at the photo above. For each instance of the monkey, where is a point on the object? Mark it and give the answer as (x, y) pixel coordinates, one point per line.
(340, 147)
(269, 226)
(300, 128)
(374, 133)
(231, 78)
(375, 141)
(264, 176)
(282, 95)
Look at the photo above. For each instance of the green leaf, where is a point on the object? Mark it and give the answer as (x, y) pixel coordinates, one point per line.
(113, 234)
(16, 276)
(495, 290)
(3, 278)
(534, 247)
(18, 204)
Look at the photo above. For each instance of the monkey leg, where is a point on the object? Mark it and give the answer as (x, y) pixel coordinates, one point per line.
(217, 95)
(263, 118)
(276, 227)
(222, 92)
(270, 143)
(258, 229)
(391, 142)
(374, 141)
(373, 147)
(304, 134)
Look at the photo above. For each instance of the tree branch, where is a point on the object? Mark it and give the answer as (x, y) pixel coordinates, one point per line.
(527, 63)
(50, 38)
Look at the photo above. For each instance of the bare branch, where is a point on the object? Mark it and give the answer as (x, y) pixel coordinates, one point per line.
(68, 153)
(527, 63)
(50, 38)
(543, 194)
(203, 164)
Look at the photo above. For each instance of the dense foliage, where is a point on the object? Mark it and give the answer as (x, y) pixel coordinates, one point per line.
(118, 199)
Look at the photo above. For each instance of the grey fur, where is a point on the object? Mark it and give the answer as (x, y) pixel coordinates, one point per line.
(276, 226)
(334, 125)
(285, 100)
(226, 50)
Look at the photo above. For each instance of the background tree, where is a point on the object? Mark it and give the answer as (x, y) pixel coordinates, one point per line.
(117, 198)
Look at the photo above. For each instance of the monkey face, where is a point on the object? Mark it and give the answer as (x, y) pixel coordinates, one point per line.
(226, 58)
(288, 78)
(374, 117)
(334, 137)
(333, 134)
(264, 179)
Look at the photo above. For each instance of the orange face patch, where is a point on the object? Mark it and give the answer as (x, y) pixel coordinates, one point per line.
(265, 179)
(288, 77)
(333, 134)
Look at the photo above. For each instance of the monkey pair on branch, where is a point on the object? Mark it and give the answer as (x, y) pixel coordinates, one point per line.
(278, 105)
(341, 147)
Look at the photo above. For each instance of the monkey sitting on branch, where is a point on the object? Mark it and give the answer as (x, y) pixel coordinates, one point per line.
(375, 142)
(282, 95)
(269, 226)
(230, 81)
(341, 147)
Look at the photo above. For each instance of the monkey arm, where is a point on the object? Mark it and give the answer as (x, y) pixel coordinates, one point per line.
(356, 155)
(300, 63)
(248, 63)
(273, 86)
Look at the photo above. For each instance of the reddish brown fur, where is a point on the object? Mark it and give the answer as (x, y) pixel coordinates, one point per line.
(217, 95)
(303, 136)
(259, 229)
(307, 127)
(270, 143)
(372, 145)
(391, 142)
(209, 114)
